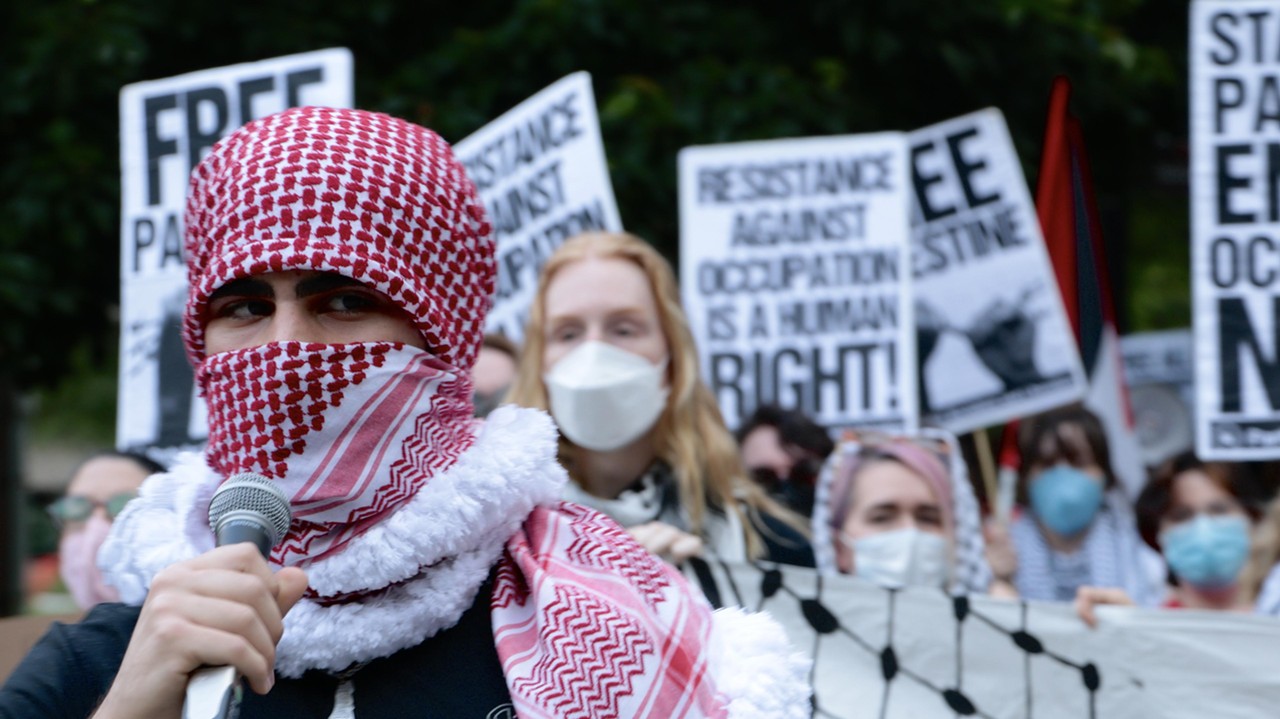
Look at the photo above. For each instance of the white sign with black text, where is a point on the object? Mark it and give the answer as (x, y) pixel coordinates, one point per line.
(1235, 227)
(166, 127)
(1159, 370)
(542, 176)
(994, 341)
(793, 270)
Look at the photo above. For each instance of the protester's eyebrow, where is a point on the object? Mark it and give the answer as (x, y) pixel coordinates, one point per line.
(243, 287)
(326, 282)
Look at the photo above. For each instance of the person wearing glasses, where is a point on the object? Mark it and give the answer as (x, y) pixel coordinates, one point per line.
(783, 451)
(101, 487)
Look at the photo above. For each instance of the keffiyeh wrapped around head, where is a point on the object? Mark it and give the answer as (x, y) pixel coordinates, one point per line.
(350, 431)
(366, 195)
(935, 455)
(403, 504)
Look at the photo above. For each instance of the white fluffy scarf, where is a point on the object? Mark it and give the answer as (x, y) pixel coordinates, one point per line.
(460, 520)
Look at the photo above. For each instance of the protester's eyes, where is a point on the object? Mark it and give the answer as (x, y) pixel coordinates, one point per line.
(1180, 514)
(354, 302)
(626, 329)
(929, 517)
(1221, 507)
(566, 333)
(882, 516)
(240, 308)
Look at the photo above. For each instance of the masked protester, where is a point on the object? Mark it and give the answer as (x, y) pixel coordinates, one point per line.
(99, 490)
(783, 450)
(899, 511)
(1199, 517)
(340, 267)
(1075, 529)
(608, 352)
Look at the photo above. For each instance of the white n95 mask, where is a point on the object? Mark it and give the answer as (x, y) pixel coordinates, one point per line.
(604, 398)
(901, 558)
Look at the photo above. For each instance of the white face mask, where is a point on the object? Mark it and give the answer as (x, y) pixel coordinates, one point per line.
(901, 558)
(78, 563)
(603, 397)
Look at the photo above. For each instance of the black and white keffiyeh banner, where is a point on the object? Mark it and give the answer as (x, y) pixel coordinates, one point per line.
(921, 653)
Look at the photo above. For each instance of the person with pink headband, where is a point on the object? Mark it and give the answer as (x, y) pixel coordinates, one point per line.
(340, 267)
(899, 511)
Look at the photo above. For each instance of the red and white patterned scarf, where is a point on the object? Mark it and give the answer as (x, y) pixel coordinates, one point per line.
(349, 432)
(589, 624)
(403, 505)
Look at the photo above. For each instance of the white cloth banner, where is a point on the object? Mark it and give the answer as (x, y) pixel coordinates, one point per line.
(543, 178)
(994, 341)
(1235, 227)
(793, 257)
(166, 127)
(920, 653)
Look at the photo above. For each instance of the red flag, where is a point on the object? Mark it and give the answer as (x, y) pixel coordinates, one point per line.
(1073, 235)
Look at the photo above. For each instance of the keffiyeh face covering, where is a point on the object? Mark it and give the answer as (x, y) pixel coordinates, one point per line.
(397, 522)
(349, 432)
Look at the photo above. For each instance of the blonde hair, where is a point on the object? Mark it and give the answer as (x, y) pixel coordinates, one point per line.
(690, 436)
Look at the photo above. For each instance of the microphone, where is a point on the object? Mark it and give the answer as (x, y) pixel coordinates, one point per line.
(247, 507)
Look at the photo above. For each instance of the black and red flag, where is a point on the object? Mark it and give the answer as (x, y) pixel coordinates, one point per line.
(1073, 234)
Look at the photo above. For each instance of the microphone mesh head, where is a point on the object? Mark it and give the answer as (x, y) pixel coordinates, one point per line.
(252, 493)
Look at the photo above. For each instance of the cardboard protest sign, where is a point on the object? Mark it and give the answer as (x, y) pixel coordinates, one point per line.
(542, 176)
(994, 341)
(880, 654)
(793, 258)
(166, 128)
(1159, 368)
(1235, 227)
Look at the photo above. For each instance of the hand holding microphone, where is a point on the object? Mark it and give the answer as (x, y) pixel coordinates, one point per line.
(224, 608)
(246, 508)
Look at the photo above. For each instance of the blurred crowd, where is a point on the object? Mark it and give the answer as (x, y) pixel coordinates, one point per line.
(608, 353)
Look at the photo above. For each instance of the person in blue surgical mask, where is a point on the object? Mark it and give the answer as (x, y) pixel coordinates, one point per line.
(1198, 515)
(1075, 529)
(608, 352)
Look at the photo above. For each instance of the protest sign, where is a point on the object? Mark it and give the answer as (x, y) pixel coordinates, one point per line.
(542, 176)
(994, 341)
(881, 654)
(1235, 227)
(793, 258)
(1159, 369)
(166, 128)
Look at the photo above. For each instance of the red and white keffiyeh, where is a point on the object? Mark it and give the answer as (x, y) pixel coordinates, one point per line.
(349, 432)
(366, 195)
(588, 624)
(404, 505)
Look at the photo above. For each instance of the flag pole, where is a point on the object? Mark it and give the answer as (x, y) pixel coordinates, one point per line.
(987, 466)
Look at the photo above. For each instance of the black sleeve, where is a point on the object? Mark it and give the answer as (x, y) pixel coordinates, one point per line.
(66, 674)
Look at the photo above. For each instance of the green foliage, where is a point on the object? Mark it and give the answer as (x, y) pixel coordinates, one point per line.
(667, 75)
(81, 408)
